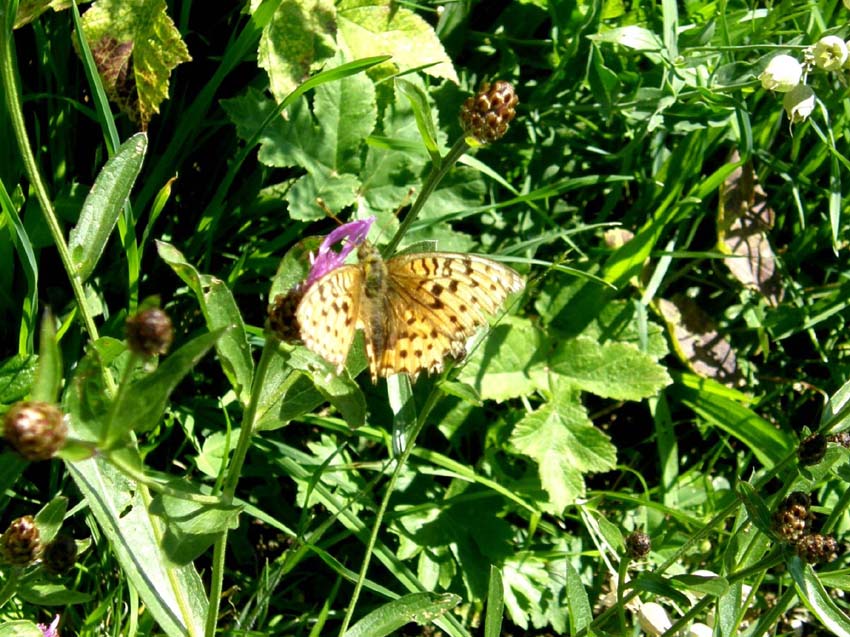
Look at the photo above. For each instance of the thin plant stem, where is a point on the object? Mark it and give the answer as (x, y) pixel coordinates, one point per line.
(234, 471)
(434, 178)
(8, 80)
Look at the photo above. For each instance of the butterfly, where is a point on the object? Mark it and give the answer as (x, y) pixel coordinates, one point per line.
(415, 310)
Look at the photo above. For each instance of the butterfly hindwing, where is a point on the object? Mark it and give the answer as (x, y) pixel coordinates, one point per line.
(327, 314)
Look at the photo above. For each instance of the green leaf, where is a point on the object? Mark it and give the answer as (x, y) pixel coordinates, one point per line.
(812, 593)
(611, 370)
(723, 407)
(338, 389)
(104, 203)
(86, 400)
(580, 611)
(495, 604)
(422, 608)
(50, 518)
(48, 376)
(295, 42)
(220, 310)
(12, 466)
(140, 406)
(706, 585)
(508, 362)
(49, 594)
(16, 378)
(415, 94)
(380, 27)
(565, 444)
(175, 596)
(20, 629)
(136, 46)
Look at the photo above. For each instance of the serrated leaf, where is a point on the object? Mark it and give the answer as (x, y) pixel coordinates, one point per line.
(298, 38)
(175, 596)
(104, 203)
(743, 222)
(565, 444)
(380, 27)
(422, 608)
(611, 370)
(508, 362)
(220, 311)
(136, 46)
(697, 342)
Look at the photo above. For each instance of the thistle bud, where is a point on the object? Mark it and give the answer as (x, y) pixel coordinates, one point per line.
(20, 544)
(486, 116)
(638, 544)
(783, 73)
(812, 449)
(282, 320)
(149, 332)
(792, 519)
(830, 53)
(799, 103)
(36, 430)
(817, 548)
(60, 555)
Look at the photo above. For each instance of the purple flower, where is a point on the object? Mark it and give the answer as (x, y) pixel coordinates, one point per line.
(326, 258)
(52, 630)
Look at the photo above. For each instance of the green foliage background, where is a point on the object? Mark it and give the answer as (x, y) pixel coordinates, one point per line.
(638, 383)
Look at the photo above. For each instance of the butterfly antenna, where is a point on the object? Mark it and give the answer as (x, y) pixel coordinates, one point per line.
(328, 212)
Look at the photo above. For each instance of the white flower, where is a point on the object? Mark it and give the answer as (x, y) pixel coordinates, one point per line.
(830, 53)
(783, 73)
(799, 103)
(654, 619)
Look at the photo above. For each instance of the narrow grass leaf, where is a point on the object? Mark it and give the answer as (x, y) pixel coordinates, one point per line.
(29, 265)
(495, 604)
(103, 205)
(422, 608)
(403, 406)
(813, 594)
(174, 595)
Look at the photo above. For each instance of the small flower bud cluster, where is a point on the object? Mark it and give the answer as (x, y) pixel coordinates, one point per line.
(20, 544)
(485, 117)
(792, 522)
(785, 74)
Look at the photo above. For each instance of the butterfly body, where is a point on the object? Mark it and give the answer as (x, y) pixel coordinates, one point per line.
(415, 310)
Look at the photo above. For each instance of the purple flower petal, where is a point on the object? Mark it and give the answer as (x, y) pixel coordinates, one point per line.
(326, 259)
(52, 630)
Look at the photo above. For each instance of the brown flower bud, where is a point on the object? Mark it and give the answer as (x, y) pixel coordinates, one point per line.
(841, 438)
(817, 548)
(20, 544)
(638, 544)
(149, 332)
(35, 429)
(60, 555)
(282, 320)
(486, 116)
(812, 449)
(792, 519)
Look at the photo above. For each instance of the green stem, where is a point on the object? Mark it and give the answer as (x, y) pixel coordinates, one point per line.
(234, 472)
(385, 501)
(8, 79)
(434, 178)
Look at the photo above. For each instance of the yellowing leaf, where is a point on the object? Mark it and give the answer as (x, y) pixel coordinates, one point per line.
(29, 10)
(743, 221)
(381, 27)
(299, 37)
(135, 46)
(697, 342)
